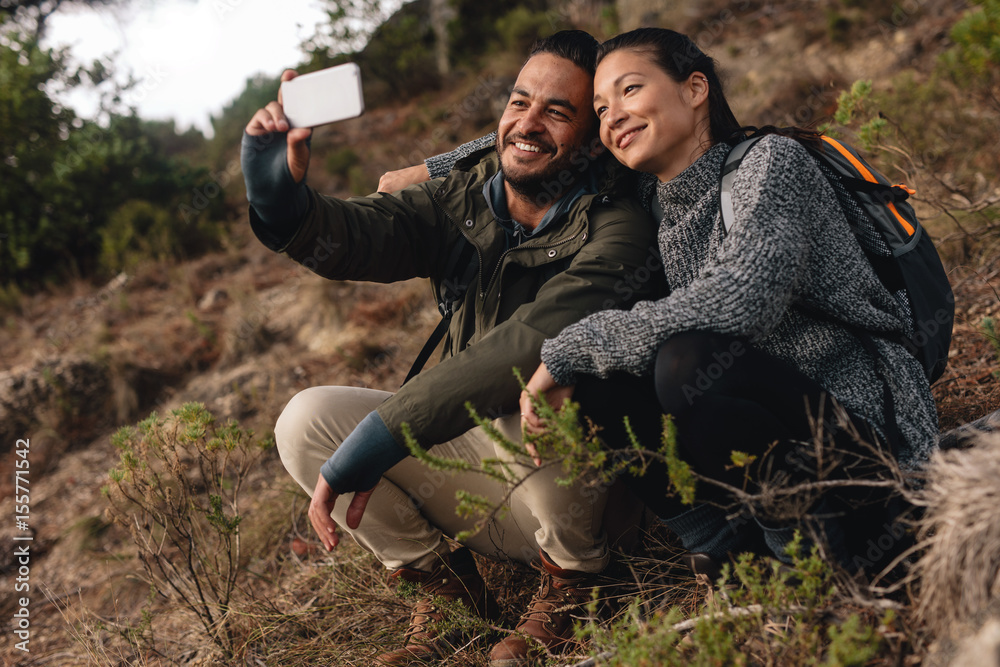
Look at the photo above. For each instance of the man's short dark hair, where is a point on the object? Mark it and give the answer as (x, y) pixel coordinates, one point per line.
(577, 46)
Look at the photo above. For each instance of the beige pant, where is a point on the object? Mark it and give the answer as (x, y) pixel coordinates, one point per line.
(413, 506)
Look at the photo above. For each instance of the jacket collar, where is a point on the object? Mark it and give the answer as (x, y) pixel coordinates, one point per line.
(496, 198)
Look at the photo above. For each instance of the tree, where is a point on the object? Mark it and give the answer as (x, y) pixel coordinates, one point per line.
(351, 23)
(63, 177)
(442, 12)
(30, 16)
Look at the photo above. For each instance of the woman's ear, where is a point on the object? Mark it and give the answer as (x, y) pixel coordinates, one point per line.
(697, 85)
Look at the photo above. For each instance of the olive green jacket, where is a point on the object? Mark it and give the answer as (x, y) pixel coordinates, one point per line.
(603, 254)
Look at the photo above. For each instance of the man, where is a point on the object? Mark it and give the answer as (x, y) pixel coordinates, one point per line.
(552, 242)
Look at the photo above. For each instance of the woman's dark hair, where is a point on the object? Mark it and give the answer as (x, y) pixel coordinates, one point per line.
(577, 46)
(678, 56)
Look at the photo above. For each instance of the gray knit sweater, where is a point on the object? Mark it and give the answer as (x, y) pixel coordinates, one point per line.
(788, 277)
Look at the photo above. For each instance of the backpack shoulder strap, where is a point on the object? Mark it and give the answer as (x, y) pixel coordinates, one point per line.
(729, 168)
(728, 176)
(460, 271)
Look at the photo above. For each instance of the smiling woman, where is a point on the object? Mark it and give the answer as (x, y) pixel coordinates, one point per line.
(649, 121)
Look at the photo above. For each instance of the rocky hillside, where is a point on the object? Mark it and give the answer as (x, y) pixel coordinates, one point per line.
(241, 330)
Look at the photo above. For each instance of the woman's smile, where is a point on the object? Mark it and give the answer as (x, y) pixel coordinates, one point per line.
(650, 122)
(625, 138)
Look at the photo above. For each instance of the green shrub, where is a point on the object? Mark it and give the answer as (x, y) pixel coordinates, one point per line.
(139, 230)
(177, 491)
(63, 177)
(521, 26)
(976, 54)
(763, 613)
(893, 123)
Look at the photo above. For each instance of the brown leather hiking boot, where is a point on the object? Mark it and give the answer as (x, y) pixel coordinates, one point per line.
(455, 578)
(548, 622)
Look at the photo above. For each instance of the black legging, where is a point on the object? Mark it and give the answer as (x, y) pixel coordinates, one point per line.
(726, 395)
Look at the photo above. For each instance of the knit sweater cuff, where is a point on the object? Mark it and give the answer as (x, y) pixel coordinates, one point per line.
(704, 529)
(558, 364)
(439, 166)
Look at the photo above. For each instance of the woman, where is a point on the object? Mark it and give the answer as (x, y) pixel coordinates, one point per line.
(769, 330)
(776, 338)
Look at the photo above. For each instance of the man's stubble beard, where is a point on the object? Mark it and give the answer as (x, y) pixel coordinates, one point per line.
(532, 185)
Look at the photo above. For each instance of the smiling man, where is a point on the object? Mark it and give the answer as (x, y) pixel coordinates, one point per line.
(552, 239)
(537, 145)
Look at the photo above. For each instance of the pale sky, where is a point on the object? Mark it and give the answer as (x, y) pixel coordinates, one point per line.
(192, 56)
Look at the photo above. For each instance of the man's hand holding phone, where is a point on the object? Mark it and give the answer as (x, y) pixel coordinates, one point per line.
(306, 101)
(272, 119)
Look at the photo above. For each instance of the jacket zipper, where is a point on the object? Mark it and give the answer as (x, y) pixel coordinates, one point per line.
(543, 246)
(483, 286)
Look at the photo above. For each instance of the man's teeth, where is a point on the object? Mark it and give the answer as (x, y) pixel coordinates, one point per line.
(528, 147)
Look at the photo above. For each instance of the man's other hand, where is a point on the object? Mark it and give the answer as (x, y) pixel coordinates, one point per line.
(272, 119)
(321, 506)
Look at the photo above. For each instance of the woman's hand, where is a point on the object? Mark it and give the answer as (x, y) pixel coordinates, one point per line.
(392, 181)
(544, 386)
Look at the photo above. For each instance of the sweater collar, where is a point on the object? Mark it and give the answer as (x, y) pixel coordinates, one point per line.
(688, 187)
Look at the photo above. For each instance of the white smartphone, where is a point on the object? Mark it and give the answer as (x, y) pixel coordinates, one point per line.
(323, 97)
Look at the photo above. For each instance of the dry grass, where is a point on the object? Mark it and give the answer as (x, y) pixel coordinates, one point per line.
(339, 608)
(298, 606)
(959, 569)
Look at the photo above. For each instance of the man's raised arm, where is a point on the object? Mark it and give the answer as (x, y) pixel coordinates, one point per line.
(380, 238)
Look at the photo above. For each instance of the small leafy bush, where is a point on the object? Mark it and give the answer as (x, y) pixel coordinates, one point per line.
(763, 613)
(177, 493)
(976, 54)
(934, 153)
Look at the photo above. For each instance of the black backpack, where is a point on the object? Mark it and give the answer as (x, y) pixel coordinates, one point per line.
(893, 240)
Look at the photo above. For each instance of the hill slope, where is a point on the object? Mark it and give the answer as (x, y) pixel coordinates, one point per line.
(243, 329)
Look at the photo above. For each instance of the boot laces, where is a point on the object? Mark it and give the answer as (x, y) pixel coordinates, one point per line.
(554, 596)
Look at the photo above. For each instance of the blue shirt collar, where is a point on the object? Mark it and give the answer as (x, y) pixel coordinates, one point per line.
(496, 197)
